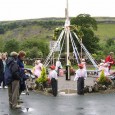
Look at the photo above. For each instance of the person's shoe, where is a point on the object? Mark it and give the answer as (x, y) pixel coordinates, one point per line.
(5, 87)
(16, 107)
(1, 87)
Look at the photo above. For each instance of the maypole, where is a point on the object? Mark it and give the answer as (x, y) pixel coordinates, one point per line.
(67, 32)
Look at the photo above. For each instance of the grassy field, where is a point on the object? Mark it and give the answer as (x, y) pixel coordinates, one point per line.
(105, 31)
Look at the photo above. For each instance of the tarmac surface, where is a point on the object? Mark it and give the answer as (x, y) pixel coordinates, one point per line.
(39, 104)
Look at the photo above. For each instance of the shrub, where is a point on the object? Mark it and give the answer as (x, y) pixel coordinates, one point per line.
(103, 79)
(43, 77)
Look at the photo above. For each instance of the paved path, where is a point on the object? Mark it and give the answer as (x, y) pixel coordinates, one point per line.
(38, 104)
(71, 84)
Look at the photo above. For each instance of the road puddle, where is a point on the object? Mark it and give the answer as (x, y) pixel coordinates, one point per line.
(25, 110)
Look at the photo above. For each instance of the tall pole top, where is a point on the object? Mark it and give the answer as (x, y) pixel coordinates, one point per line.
(67, 21)
(67, 9)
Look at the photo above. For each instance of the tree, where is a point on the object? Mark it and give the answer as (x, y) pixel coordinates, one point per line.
(110, 42)
(11, 45)
(1, 44)
(85, 21)
(34, 53)
(84, 29)
(35, 48)
(2, 30)
(83, 25)
(108, 46)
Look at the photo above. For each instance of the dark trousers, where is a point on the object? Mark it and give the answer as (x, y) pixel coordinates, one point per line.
(54, 86)
(80, 85)
(2, 79)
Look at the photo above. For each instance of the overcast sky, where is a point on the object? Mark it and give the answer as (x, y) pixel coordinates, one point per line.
(31, 9)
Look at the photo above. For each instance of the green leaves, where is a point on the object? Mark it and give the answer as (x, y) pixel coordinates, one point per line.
(43, 77)
(84, 29)
(11, 45)
(85, 20)
(35, 48)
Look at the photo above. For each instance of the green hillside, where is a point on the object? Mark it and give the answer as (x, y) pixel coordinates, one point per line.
(105, 31)
(44, 28)
(33, 36)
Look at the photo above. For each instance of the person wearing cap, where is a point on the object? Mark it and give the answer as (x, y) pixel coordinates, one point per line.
(53, 77)
(109, 60)
(13, 87)
(80, 75)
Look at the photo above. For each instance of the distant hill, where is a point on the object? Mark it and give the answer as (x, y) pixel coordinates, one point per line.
(43, 28)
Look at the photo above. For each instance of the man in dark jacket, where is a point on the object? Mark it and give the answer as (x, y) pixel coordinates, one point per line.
(13, 87)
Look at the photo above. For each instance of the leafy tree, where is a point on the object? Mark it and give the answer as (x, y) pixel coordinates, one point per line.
(110, 42)
(11, 45)
(34, 53)
(35, 48)
(108, 46)
(83, 25)
(84, 29)
(85, 21)
(1, 44)
(2, 30)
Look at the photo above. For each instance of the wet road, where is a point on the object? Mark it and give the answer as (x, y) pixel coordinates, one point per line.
(38, 104)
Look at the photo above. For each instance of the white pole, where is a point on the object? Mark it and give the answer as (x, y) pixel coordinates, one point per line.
(67, 29)
(67, 47)
(81, 49)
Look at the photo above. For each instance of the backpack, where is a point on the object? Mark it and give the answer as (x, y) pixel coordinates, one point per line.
(8, 74)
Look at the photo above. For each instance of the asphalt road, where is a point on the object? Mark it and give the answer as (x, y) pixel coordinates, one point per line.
(39, 104)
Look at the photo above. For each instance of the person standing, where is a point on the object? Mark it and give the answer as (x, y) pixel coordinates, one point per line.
(109, 60)
(13, 87)
(81, 74)
(38, 68)
(4, 57)
(59, 68)
(84, 63)
(1, 71)
(53, 77)
(21, 56)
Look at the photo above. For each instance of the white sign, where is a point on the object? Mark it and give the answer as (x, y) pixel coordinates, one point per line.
(52, 43)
